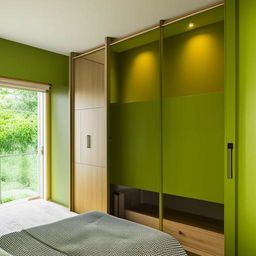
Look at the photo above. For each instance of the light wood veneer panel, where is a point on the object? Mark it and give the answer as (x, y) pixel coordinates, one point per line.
(89, 84)
(98, 56)
(77, 137)
(92, 123)
(149, 221)
(90, 188)
(197, 240)
(201, 240)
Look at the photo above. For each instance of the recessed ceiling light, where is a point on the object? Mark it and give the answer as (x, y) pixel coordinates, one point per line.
(191, 25)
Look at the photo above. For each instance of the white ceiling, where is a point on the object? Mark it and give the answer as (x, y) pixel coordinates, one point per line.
(76, 25)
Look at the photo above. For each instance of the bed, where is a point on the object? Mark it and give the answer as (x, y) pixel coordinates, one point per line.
(94, 234)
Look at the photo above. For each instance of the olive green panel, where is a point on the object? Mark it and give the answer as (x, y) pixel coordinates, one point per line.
(135, 149)
(247, 129)
(114, 78)
(25, 62)
(230, 127)
(135, 75)
(194, 62)
(193, 146)
(199, 20)
(134, 144)
(202, 19)
(137, 41)
(193, 113)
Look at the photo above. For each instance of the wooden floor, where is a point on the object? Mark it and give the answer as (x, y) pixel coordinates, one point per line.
(26, 214)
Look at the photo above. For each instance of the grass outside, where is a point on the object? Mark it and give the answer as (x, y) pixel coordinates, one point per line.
(18, 177)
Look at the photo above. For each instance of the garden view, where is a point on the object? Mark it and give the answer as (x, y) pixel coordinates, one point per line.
(18, 144)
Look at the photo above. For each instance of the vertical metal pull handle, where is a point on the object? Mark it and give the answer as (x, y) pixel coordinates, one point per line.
(230, 160)
(88, 140)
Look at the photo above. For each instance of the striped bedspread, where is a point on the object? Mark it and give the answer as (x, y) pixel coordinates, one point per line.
(92, 234)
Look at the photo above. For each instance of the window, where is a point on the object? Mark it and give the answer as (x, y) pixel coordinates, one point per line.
(22, 141)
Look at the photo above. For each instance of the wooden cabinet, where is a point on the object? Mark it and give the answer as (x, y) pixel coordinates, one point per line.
(89, 89)
(90, 188)
(196, 236)
(92, 137)
(77, 139)
(89, 172)
(170, 118)
(196, 239)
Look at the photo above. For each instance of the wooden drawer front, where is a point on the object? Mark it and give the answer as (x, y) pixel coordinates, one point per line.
(142, 219)
(197, 240)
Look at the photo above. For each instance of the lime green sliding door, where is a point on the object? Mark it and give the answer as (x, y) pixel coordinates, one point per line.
(170, 124)
(193, 110)
(230, 128)
(203, 110)
(135, 148)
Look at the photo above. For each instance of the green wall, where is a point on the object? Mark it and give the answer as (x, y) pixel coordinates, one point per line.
(25, 62)
(247, 128)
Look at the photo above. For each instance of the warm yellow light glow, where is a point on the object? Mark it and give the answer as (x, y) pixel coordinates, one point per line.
(198, 61)
(191, 25)
(140, 77)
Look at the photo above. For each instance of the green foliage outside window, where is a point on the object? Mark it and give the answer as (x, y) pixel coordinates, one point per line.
(18, 135)
(18, 121)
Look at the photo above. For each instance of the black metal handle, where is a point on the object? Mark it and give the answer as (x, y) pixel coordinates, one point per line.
(230, 161)
(88, 137)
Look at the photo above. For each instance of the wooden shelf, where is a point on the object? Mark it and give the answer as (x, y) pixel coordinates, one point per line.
(197, 234)
(182, 217)
(195, 220)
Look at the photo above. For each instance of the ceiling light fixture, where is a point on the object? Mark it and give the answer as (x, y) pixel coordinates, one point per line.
(191, 25)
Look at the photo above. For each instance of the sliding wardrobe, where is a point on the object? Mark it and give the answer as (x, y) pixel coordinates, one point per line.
(154, 141)
(193, 131)
(135, 122)
(166, 120)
